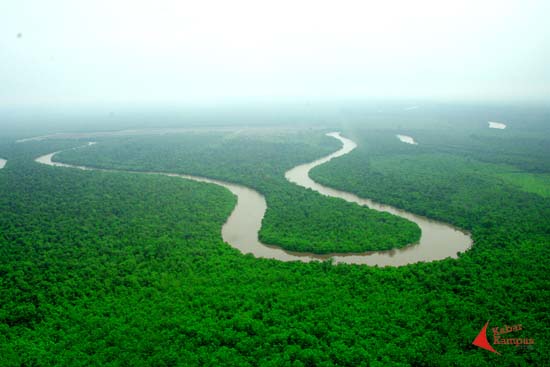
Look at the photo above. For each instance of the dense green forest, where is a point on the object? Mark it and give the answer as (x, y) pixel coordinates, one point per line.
(120, 269)
(296, 219)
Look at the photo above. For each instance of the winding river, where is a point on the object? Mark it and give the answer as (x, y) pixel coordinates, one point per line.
(438, 240)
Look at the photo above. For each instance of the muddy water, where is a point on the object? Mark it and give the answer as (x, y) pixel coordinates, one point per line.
(438, 240)
(241, 228)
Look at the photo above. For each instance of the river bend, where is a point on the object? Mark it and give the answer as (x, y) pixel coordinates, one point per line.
(438, 240)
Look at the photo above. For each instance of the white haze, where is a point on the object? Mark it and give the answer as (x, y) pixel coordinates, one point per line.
(132, 52)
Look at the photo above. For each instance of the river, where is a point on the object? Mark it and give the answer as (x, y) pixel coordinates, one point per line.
(438, 240)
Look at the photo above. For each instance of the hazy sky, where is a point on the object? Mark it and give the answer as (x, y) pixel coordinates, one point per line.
(71, 51)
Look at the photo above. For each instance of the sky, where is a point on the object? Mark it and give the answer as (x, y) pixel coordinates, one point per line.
(59, 52)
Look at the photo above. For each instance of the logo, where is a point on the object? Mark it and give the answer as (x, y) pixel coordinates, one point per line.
(500, 337)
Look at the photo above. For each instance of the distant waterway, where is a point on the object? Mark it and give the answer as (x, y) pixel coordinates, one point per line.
(406, 139)
(496, 125)
(438, 240)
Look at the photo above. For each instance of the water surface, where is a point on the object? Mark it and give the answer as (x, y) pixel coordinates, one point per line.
(406, 139)
(496, 125)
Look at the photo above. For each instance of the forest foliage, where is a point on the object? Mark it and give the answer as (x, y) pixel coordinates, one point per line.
(118, 269)
(296, 219)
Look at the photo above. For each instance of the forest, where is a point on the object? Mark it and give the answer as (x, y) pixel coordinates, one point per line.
(296, 219)
(107, 268)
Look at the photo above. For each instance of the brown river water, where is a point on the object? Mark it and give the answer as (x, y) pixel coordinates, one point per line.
(438, 240)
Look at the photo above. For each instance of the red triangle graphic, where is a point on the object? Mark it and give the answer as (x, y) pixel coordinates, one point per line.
(481, 340)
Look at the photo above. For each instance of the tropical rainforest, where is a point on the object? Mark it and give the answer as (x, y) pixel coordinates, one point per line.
(296, 219)
(125, 269)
